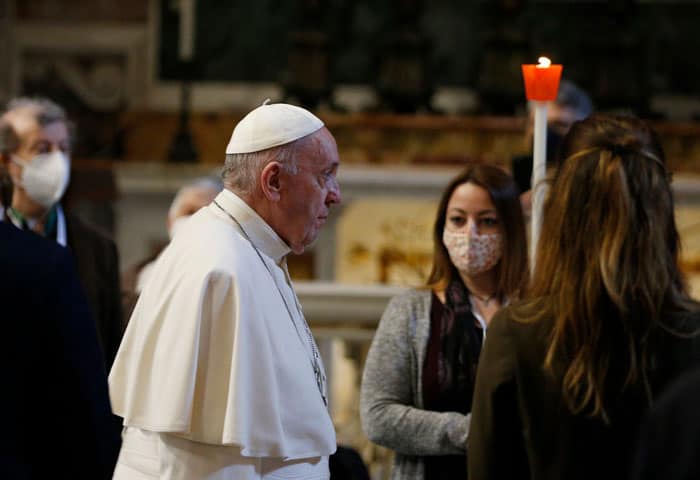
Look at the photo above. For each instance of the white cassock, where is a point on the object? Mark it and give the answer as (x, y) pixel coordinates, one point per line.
(212, 378)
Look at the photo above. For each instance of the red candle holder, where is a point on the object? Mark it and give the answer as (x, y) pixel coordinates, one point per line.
(541, 82)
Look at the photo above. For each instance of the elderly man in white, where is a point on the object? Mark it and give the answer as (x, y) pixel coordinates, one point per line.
(218, 376)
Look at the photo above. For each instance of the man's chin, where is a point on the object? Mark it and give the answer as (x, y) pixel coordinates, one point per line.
(301, 247)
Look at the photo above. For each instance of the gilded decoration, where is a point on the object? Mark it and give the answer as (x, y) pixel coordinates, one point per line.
(385, 240)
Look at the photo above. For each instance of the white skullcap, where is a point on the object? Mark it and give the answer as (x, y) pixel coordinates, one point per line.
(272, 125)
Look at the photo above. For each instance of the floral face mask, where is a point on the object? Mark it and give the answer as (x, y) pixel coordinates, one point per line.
(473, 253)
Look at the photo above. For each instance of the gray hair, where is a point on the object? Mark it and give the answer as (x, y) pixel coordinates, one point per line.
(242, 169)
(212, 184)
(45, 112)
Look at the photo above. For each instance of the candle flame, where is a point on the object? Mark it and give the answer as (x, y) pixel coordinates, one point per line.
(544, 62)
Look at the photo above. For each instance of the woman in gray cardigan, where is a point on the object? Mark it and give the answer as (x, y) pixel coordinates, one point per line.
(419, 375)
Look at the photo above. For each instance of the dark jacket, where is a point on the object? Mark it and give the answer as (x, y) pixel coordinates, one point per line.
(520, 427)
(668, 444)
(97, 263)
(55, 404)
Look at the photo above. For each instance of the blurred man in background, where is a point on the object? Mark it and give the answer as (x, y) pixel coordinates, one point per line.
(35, 146)
(192, 196)
(572, 104)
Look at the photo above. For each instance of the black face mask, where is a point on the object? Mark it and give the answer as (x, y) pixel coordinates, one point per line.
(522, 165)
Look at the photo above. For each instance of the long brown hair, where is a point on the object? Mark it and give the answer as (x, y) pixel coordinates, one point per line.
(607, 258)
(512, 270)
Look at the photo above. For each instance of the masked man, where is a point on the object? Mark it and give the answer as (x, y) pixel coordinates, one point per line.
(35, 155)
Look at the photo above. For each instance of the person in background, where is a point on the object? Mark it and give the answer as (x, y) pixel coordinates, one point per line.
(572, 104)
(419, 375)
(219, 375)
(35, 150)
(192, 196)
(567, 374)
(57, 419)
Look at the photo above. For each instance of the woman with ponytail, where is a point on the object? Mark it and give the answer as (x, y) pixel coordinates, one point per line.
(567, 374)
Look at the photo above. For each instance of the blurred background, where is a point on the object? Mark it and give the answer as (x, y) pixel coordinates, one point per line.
(412, 90)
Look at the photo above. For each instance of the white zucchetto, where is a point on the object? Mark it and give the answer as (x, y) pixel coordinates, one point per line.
(272, 125)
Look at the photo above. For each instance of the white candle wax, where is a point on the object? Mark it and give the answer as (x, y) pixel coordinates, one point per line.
(539, 168)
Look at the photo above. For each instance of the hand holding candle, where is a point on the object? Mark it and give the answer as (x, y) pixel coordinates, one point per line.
(541, 86)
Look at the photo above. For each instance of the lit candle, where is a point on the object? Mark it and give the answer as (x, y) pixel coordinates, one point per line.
(542, 80)
(187, 31)
(541, 86)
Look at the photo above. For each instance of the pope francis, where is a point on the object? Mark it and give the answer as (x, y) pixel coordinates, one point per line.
(218, 376)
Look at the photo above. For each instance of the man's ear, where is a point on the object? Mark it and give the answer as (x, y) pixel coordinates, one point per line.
(270, 181)
(6, 186)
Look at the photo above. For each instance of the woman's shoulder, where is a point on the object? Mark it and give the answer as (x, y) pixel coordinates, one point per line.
(407, 309)
(410, 303)
(412, 296)
(521, 323)
(685, 322)
(515, 342)
(520, 315)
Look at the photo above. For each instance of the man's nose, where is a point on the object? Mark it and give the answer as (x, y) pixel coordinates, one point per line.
(334, 193)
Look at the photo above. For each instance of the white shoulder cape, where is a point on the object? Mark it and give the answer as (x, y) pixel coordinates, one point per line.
(210, 352)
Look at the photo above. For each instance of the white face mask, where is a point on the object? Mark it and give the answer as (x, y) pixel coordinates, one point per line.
(471, 252)
(46, 177)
